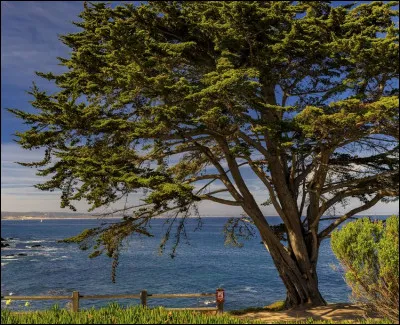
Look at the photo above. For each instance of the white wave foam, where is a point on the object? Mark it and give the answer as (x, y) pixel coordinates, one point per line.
(13, 249)
(9, 258)
(50, 249)
(28, 241)
(249, 289)
(59, 258)
(40, 254)
(208, 302)
(43, 251)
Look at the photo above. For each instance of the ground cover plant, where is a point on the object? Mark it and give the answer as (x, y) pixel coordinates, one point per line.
(114, 314)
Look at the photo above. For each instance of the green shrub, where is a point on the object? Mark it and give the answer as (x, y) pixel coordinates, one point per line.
(369, 252)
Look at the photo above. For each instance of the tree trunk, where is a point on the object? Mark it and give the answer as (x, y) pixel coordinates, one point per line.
(302, 289)
(296, 267)
(299, 277)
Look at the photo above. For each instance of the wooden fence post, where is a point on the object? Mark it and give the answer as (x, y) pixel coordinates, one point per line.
(75, 301)
(143, 298)
(220, 298)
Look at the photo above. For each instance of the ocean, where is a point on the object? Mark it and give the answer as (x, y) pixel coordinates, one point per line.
(203, 264)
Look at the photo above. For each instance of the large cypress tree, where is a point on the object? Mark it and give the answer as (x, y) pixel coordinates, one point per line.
(171, 95)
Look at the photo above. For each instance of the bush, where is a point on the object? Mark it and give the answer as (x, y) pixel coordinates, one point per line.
(369, 252)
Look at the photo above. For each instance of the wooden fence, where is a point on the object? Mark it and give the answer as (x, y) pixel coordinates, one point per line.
(143, 296)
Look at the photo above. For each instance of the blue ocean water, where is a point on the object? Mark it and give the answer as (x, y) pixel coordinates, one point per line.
(247, 274)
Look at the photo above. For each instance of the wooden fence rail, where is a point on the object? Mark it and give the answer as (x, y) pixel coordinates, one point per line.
(143, 296)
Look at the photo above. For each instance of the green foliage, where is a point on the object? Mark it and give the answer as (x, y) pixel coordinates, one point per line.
(115, 314)
(236, 229)
(159, 97)
(347, 117)
(369, 252)
(388, 253)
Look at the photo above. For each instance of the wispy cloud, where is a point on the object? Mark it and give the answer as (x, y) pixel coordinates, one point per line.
(18, 193)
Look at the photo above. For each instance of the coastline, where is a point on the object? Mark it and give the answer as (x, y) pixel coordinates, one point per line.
(56, 218)
(95, 217)
(90, 217)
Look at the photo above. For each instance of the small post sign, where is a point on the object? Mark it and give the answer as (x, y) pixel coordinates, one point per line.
(220, 298)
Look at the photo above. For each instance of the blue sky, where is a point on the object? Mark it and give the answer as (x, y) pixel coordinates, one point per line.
(29, 42)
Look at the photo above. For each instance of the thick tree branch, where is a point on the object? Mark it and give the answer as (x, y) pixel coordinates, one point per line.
(255, 144)
(224, 177)
(202, 177)
(303, 175)
(219, 200)
(324, 233)
(264, 178)
(358, 181)
(303, 198)
(315, 186)
(353, 192)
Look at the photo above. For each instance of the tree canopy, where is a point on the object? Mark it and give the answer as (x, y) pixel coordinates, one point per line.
(172, 96)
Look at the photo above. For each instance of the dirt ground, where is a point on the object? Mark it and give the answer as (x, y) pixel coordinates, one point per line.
(335, 312)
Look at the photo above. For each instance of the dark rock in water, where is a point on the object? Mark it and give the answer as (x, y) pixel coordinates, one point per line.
(22, 254)
(11, 238)
(10, 255)
(4, 243)
(37, 245)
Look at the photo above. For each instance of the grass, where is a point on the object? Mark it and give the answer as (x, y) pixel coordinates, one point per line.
(114, 314)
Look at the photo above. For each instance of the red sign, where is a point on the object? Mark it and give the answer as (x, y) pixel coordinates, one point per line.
(220, 295)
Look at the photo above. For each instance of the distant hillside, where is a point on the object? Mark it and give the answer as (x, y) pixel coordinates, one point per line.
(7, 215)
(41, 214)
